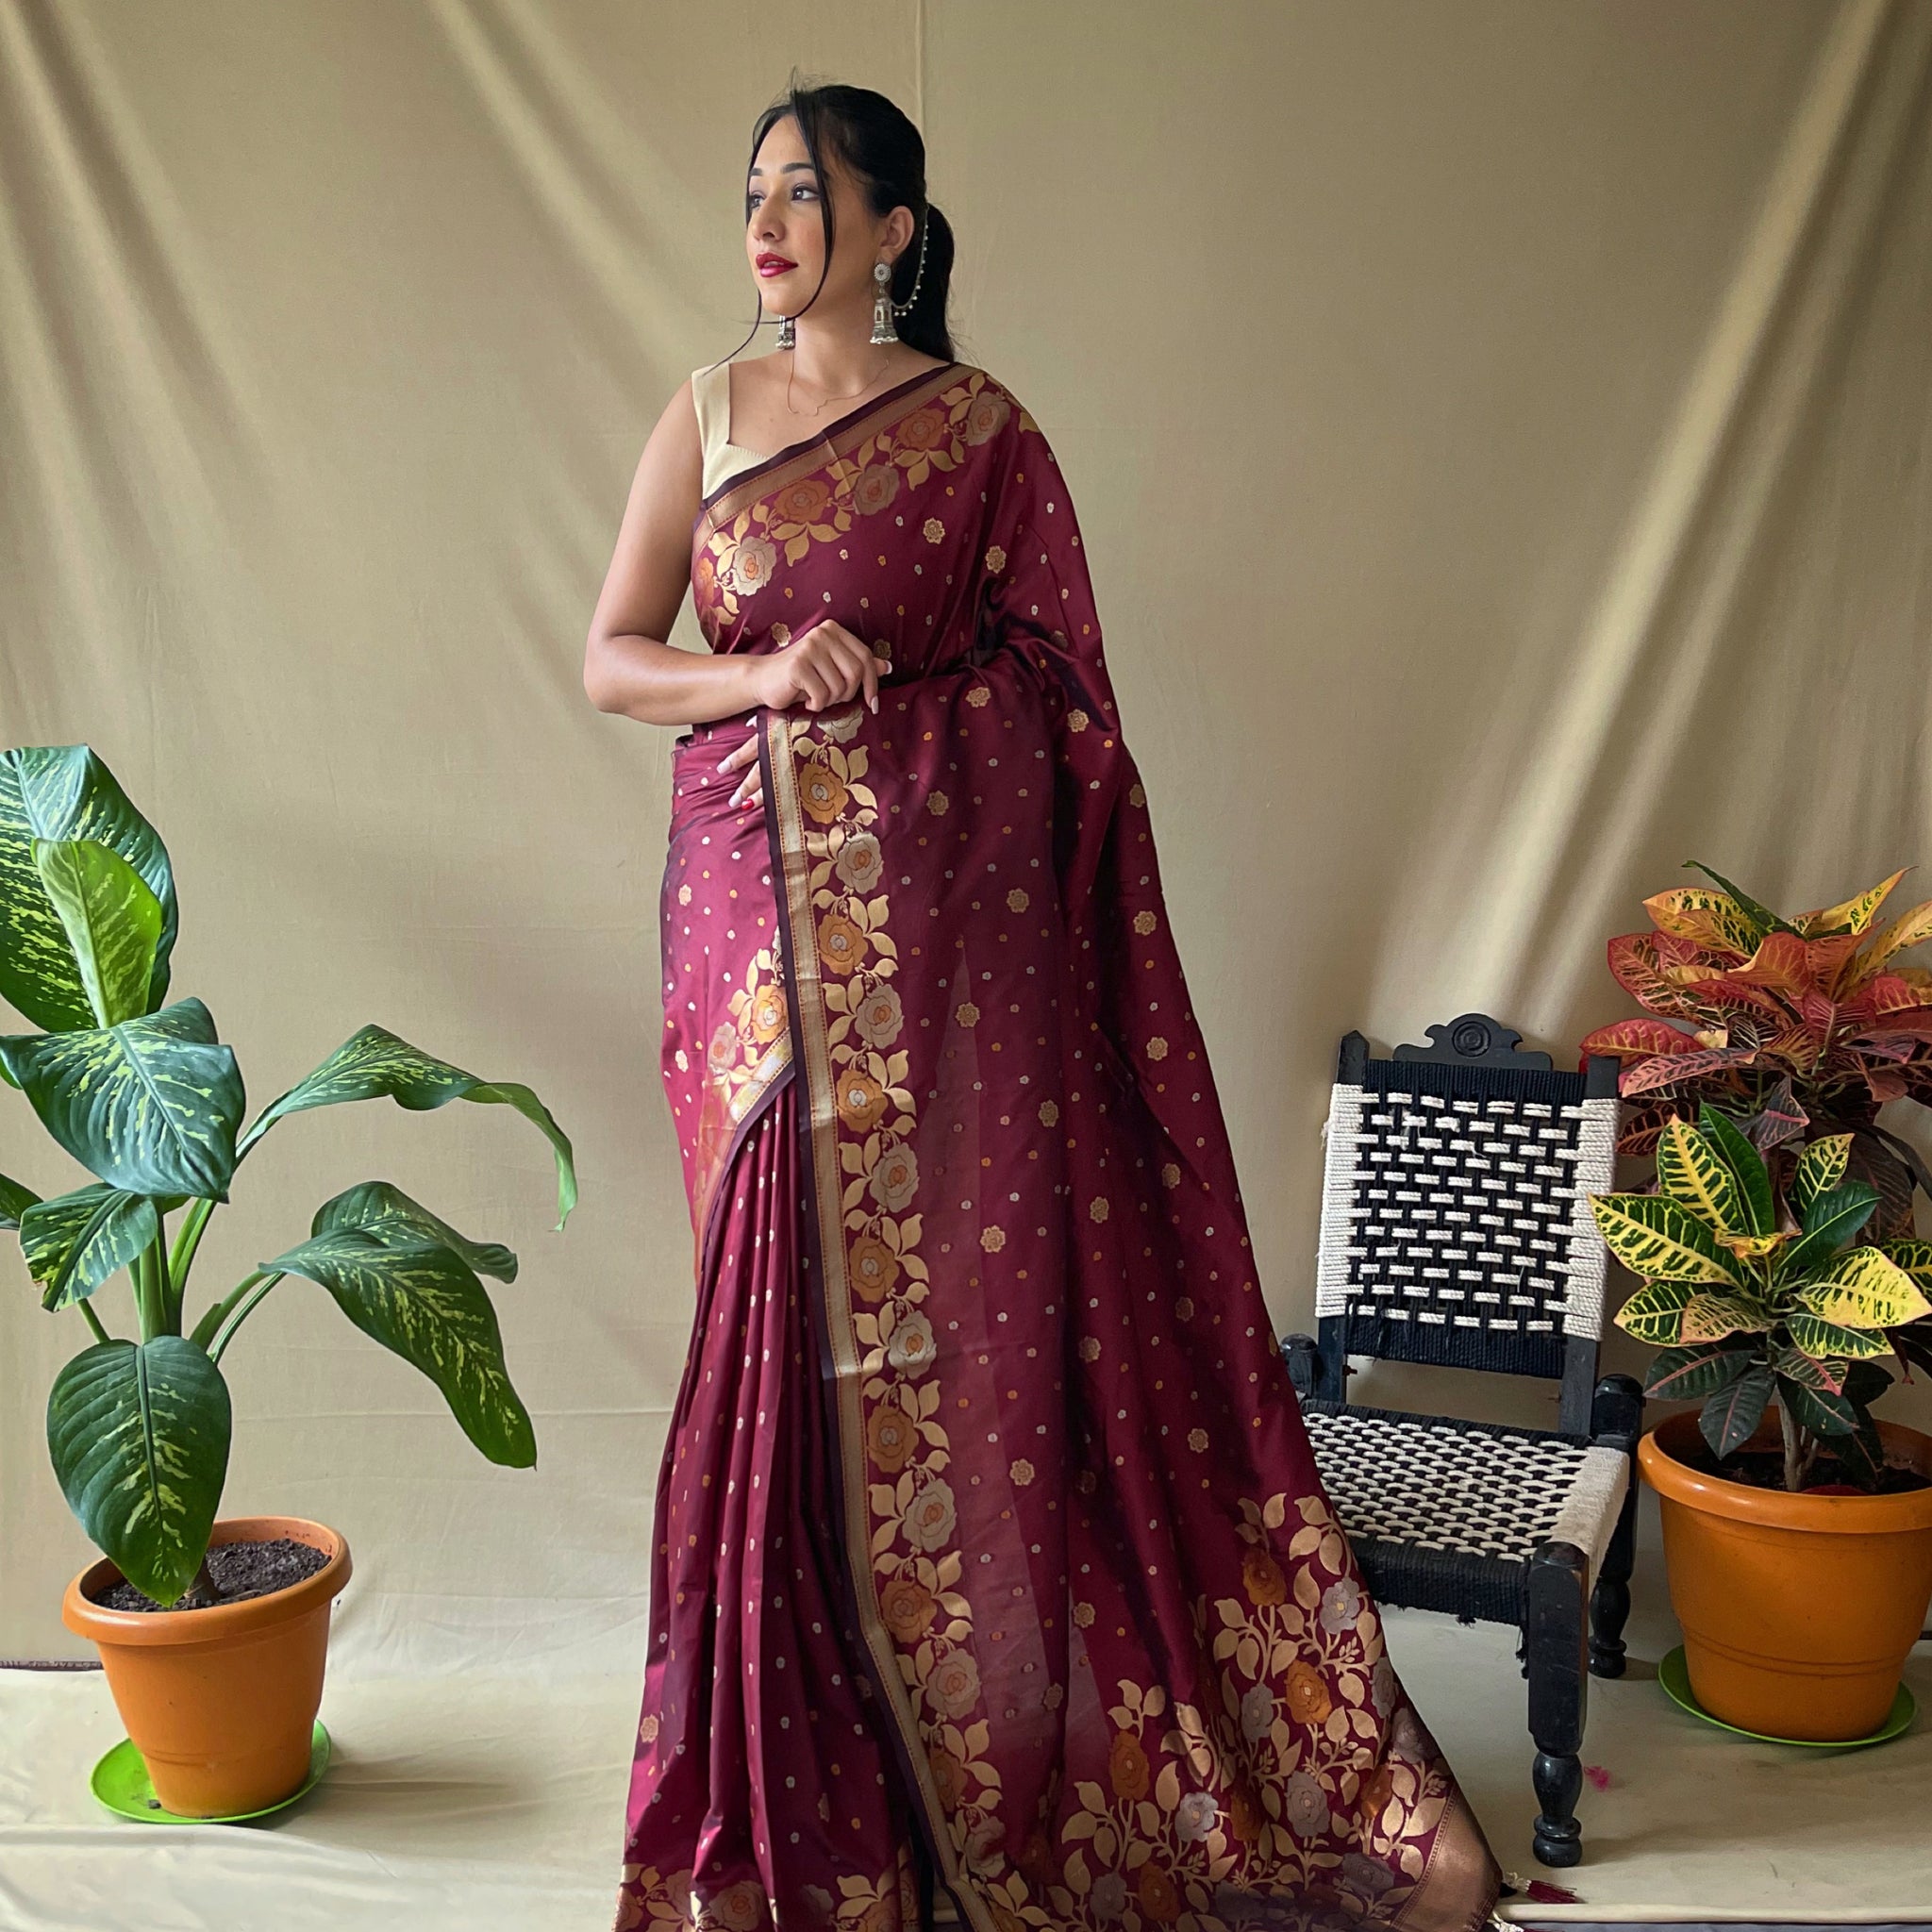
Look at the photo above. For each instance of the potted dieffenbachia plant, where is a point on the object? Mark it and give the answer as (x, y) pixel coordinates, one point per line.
(1766, 1301)
(140, 1089)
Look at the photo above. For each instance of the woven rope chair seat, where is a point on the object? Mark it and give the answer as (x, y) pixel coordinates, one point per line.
(1445, 1514)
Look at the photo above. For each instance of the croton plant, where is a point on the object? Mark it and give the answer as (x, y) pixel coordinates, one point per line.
(1800, 1029)
(143, 1092)
(1752, 1290)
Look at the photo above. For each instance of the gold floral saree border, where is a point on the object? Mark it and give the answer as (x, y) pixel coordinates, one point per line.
(814, 1066)
(840, 439)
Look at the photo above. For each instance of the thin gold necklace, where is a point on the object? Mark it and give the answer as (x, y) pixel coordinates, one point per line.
(791, 370)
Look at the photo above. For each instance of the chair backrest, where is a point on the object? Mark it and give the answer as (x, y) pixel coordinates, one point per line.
(1455, 1225)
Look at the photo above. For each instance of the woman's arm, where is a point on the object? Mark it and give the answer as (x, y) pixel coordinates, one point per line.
(629, 667)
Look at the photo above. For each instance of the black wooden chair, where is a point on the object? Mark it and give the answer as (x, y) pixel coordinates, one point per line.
(1455, 1232)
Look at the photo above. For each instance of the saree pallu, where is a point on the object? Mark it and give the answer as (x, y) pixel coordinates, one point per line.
(989, 1551)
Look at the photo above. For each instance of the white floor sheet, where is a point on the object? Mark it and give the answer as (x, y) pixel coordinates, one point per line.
(456, 1805)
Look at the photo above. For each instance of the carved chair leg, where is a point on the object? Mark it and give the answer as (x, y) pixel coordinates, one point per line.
(1555, 1648)
(1610, 1603)
(1616, 1417)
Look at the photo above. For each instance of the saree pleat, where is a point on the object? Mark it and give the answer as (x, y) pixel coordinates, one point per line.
(760, 1773)
(993, 1561)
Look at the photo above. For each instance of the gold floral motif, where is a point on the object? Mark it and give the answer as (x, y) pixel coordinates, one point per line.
(748, 1050)
(742, 552)
(913, 1528)
(1275, 1786)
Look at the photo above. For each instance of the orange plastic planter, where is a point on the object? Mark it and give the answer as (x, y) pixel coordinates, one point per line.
(1798, 1610)
(220, 1703)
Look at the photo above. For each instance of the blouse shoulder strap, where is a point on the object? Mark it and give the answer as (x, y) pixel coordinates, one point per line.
(710, 395)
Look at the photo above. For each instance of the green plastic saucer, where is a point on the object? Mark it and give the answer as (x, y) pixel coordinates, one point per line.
(120, 1781)
(1674, 1675)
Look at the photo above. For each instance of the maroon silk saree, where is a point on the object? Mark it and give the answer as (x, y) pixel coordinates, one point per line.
(989, 1551)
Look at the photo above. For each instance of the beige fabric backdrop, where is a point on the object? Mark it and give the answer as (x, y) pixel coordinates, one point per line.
(1504, 434)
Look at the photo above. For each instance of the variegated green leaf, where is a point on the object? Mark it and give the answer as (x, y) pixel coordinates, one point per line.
(1655, 1313)
(385, 1209)
(64, 792)
(424, 1302)
(1865, 1289)
(150, 1106)
(1727, 1420)
(1746, 1166)
(1834, 1218)
(1820, 1168)
(139, 1436)
(1820, 1339)
(14, 1202)
(1914, 1256)
(1712, 1317)
(75, 1241)
(374, 1063)
(1690, 1172)
(1661, 1240)
(1814, 1395)
(1682, 1374)
(112, 921)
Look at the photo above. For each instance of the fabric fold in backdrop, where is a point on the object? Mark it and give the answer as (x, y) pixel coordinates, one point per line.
(1008, 1544)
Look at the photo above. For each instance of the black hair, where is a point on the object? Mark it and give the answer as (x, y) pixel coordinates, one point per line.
(886, 156)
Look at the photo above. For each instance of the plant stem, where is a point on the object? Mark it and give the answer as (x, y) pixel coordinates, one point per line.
(1794, 1469)
(146, 1307)
(218, 1313)
(202, 1593)
(242, 1312)
(94, 1322)
(182, 1259)
(167, 1308)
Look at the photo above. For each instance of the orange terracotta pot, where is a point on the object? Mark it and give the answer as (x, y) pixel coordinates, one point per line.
(1798, 1610)
(221, 1702)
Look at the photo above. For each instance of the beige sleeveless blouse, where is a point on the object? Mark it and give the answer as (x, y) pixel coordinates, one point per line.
(711, 393)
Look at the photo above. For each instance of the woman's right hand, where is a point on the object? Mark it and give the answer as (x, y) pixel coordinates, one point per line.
(823, 665)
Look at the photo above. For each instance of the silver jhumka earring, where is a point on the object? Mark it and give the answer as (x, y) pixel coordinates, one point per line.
(882, 329)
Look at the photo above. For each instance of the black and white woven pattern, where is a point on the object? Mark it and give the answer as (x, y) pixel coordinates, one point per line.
(1455, 1489)
(1465, 1211)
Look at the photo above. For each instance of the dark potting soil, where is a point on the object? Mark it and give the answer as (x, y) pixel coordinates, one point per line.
(240, 1571)
(1764, 1469)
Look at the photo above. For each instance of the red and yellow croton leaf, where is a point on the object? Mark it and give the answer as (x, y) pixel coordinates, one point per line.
(1849, 915)
(1911, 928)
(1637, 1040)
(1706, 916)
(1783, 963)
(1667, 1069)
(1636, 967)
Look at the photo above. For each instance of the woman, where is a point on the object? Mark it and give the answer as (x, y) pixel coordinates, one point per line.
(991, 1560)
